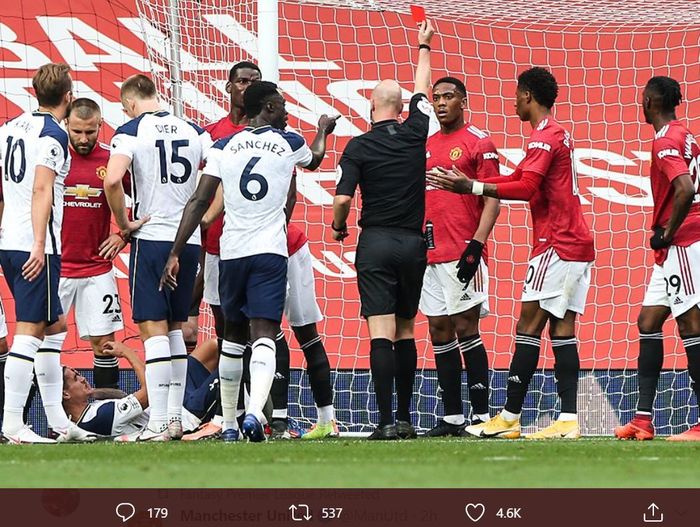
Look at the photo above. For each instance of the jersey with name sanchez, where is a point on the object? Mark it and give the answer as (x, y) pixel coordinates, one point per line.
(30, 140)
(165, 153)
(255, 166)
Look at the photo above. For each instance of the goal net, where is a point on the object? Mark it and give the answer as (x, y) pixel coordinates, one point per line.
(331, 54)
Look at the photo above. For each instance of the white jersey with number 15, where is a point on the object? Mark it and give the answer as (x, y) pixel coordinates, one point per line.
(255, 166)
(166, 153)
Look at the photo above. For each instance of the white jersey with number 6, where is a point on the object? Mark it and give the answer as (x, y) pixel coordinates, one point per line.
(166, 153)
(255, 166)
(30, 140)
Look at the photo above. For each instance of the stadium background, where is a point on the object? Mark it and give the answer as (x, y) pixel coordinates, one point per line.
(331, 58)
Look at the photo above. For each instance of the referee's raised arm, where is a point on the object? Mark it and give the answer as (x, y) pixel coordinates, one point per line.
(388, 164)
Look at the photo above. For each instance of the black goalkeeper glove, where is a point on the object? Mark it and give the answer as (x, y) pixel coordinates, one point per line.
(658, 242)
(469, 262)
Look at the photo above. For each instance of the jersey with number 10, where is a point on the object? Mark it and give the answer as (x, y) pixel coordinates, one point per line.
(557, 217)
(30, 140)
(166, 153)
(255, 166)
(674, 153)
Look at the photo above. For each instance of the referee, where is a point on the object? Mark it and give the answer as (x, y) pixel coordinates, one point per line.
(388, 163)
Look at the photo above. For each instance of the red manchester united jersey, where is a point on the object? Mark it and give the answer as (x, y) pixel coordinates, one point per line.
(674, 153)
(455, 217)
(557, 217)
(295, 239)
(221, 128)
(86, 215)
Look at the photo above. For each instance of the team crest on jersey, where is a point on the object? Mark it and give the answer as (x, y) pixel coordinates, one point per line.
(101, 173)
(455, 153)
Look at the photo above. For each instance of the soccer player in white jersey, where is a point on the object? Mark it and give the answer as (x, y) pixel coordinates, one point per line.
(255, 167)
(162, 153)
(35, 160)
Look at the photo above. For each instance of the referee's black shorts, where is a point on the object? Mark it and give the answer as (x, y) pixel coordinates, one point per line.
(390, 264)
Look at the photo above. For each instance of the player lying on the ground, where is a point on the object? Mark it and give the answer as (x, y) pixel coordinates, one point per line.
(109, 412)
(675, 162)
(455, 291)
(558, 275)
(87, 280)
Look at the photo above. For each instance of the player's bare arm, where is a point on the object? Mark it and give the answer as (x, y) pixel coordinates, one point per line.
(456, 181)
(291, 198)
(114, 190)
(683, 194)
(425, 35)
(216, 209)
(341, 211)
(191, 219)
(42, 201)
(122, 351)
(326, 125)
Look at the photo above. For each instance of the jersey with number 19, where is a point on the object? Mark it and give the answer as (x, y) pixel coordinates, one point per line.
(165, 153)
(255, 166)
(31, 140)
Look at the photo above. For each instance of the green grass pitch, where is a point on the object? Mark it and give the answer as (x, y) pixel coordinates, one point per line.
(356, 463)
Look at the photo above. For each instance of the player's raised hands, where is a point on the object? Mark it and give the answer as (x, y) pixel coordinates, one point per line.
(110, 247)
(35, 264)
(453, 180)
(425, 32)
(169, 277)
(327, 124)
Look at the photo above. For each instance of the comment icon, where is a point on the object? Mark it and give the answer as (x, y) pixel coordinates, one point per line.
(125, 511)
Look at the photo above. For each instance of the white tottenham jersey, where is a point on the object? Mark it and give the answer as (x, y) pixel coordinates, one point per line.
(166, 153)
(30, 140)
(113, 417)
(255, 166)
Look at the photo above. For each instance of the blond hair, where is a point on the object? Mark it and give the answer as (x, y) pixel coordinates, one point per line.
(139, 86)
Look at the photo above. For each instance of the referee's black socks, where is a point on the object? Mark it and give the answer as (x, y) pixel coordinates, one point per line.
(381, 362)
(522, 368)
(406, 359)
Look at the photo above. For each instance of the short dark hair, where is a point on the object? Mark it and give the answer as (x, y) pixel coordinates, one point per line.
(461, 88)
(242, 65)
(51, 82)
(257, 94)
(668, 90)
(541, 84)
(83, 108)
(140, 85)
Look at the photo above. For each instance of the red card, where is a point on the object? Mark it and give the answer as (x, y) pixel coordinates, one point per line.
(418, 14)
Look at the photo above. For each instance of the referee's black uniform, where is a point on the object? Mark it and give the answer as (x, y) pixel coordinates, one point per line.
(388, 163)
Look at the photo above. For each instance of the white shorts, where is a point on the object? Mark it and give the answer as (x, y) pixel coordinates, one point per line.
(96, 302)
(560, 286)
(3, 322)
(443, 293)
(300, 307)
(211, 279)
(672, 284)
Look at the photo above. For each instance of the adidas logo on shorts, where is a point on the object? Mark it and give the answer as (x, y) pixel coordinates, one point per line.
(464, 297)
(677, 301)
(117, 318)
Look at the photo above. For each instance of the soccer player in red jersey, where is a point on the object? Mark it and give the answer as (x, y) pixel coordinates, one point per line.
(558, 275)
(455, 287)
(675, 162)
(87, 280)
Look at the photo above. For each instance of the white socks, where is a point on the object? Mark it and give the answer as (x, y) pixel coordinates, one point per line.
(19, 372)
(509, 416)
(454, 419)
(178, 374)
(262, 373)
(49, 376)
(326, 414)
(230, 373)
(158, 375)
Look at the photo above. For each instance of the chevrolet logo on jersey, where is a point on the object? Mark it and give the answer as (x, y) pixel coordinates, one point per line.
(81, 191)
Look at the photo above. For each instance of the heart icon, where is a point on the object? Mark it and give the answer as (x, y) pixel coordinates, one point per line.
(475, 511)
